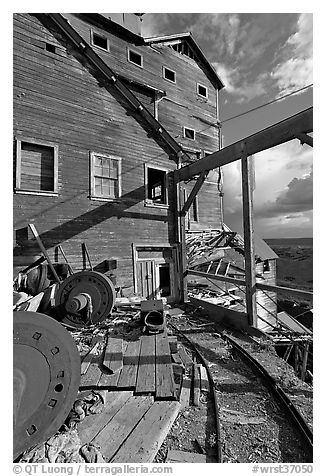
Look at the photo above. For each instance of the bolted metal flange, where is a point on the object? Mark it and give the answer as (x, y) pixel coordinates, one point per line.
(85, 298)
(46, 377)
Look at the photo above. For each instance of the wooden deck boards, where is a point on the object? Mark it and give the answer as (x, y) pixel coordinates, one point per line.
(113, 435)
(149, 434)
(165, 387)
(93, 424)
(146, 367)
(143, 365)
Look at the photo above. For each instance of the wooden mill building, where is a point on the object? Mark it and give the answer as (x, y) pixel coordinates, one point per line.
(102, 118)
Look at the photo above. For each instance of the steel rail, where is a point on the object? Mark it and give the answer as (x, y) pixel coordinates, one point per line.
(296, 416)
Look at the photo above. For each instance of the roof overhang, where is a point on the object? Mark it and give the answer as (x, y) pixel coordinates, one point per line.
(172, 39)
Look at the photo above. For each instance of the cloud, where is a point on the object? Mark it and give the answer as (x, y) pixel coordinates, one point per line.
(291, 202)
(294, 71)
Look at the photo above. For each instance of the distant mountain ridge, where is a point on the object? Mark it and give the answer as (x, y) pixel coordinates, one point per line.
(289, 241)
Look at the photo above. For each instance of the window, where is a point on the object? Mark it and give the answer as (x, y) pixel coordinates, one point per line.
(169, 75)
(155, 186)
(202, 90)
(49, 47)
(135, 58)
(266, 266)
(100, 41)
(105, 176)
(36, 166)
(189, 133)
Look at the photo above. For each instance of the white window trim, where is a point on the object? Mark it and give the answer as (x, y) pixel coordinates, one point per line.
(103, 36)
(164, 68)
(31, 140)
(92, 194)
(189, 129)
(147, 201)
(136, 53)
(203, 86)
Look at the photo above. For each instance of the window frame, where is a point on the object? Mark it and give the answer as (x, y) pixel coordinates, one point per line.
(92, 194)
(165, 68)
(148, 201)
(130, 50)
(189, 129)
(102, 35)
(31, 140)
(202, 86)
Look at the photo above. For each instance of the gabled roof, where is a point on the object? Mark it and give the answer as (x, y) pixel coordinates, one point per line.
(208, 68)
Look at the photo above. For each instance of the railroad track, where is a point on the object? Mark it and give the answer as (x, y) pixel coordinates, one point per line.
(255, 420)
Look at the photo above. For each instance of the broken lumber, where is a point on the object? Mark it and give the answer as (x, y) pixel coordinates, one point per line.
(175, 456)
(112, 358)
(196, 383)
(204, 384)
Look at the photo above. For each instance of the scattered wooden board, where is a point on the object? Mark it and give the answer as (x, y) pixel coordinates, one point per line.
(165, 387)
(146, 367)
(185, 392)
(145, 441)
(93, 374)
(204, 384)
(112, 358)
(128, 375)
(187, 361)
(196, 380)
(107, 380)
(93, 424)
(175, 456)
(90, 356)
(113, 435)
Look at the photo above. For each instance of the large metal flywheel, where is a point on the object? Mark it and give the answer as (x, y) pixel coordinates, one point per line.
(46, 377)
(85, 298)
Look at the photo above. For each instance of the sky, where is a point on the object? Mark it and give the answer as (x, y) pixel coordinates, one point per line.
(259, 57)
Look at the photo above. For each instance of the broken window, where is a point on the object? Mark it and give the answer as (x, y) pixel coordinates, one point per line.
(135, 58)
(189, 133)
(105, 176)
(169, 74)
(156, 185)
(100, 41)
(36, 166)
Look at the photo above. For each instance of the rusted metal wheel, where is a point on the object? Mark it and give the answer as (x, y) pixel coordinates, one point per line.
(46, 377)
(85, 298)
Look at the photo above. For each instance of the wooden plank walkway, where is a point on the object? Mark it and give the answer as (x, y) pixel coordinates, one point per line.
(143, 365)
(131, 428)
(149, 434)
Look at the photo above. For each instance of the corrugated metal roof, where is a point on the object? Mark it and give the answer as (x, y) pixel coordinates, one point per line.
(262, 249)
(292, 324)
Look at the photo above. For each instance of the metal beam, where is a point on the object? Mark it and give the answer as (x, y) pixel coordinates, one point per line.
(276, 134)
(305, 139)
(193, 193)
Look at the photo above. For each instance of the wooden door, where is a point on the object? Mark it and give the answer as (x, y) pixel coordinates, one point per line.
(146, 283)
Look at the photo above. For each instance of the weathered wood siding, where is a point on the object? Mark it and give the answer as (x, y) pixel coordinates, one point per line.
(59, 98)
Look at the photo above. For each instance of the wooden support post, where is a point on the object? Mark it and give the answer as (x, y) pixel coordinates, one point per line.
(296, 357)
(304, 361)
(194, 191)
(247, 199)
(45, 253)
(288, 352)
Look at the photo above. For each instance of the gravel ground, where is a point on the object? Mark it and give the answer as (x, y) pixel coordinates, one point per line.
(254, 428)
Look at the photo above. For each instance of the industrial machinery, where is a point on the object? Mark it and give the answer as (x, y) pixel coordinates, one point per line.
(84, 298)
(46, 377)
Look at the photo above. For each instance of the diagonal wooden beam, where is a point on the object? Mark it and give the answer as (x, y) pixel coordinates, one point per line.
(305, 139)
(194, 191)
(276, 134)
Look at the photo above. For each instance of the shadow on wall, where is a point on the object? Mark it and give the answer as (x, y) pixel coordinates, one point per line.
(85, 221)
